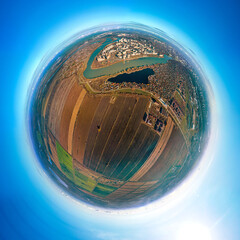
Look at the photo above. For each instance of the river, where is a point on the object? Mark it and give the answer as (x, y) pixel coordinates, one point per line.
(90, 73)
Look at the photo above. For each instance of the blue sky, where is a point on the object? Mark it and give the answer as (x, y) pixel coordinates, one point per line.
(29, 29)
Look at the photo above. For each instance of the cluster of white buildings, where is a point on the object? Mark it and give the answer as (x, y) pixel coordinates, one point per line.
(126, 48)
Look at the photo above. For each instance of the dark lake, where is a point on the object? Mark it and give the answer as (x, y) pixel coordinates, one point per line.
(137, 77)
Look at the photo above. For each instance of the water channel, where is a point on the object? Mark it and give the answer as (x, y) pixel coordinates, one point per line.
(120, 66)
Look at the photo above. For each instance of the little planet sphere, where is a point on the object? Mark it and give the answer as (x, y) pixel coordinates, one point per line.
(119, 115)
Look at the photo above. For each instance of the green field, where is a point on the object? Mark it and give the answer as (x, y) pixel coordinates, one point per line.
(103, 190)
(65, 161)
(84, 182)
(80, 179)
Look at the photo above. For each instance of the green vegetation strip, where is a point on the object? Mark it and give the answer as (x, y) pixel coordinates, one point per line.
(84, 182)
(65, 161)
(39, 138)
(81, 180)
(103, 190)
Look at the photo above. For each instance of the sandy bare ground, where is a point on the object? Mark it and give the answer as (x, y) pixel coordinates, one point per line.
(73, 119)
(67, 114)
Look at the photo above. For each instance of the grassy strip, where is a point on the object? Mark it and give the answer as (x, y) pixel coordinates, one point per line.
(84, 182)
(65, 161)
(103, 190)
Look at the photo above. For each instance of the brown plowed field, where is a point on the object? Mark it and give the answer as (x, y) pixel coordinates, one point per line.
(140, 157)
(128, 135)
(134, 148)
(116, 132)
(95, 128)
(57, 103)
(142, 145)
(67, 113)
(156, 152)
(82, 125)
(88, 172)
(124, 190)
(175, 150)
(107, 125)
(143, 190)
(50, 94)
(45, 103)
